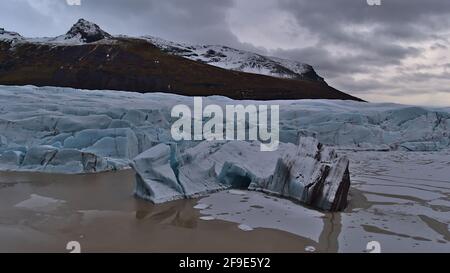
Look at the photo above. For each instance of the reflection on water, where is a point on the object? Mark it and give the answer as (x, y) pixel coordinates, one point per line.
(100, 212)
(401, 200)
(330, 232)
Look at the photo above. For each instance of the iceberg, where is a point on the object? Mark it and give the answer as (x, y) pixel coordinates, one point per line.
(308, 173)
(314, 175)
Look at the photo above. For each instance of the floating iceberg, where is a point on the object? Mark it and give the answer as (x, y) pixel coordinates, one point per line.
(308, 173)
(313, 174)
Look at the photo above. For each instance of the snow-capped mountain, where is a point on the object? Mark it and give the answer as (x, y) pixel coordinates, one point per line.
(238, 60)
(84, 32)
(88, 57)
(9, 36)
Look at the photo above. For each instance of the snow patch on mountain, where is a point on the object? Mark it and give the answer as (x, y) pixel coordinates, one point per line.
(238, 60)
(82, 32)
(9, 36)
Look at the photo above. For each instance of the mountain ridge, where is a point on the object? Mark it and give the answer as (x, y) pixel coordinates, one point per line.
(88, 57)
(239, 60)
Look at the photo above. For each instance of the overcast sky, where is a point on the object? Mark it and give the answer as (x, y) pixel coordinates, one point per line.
(396, 52)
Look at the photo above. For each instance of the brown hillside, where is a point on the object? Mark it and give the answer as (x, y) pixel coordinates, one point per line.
(137, 65)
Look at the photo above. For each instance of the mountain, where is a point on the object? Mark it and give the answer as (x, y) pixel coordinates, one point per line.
(82, 32)
(86, 32)
(87, 57)
(9, 36)
(239, 60)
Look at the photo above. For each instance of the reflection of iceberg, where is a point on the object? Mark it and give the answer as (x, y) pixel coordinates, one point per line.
(258, 210)
(40, 203)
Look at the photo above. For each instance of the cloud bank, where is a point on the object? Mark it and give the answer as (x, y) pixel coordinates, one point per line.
(396, 52)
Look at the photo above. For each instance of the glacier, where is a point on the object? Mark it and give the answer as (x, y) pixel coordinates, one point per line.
(63, 130)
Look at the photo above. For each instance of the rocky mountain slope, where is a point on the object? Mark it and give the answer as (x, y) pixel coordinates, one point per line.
(9, 36)
(88, 57)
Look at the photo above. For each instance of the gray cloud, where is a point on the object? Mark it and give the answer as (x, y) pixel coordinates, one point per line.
(190, 21)
(377, 37)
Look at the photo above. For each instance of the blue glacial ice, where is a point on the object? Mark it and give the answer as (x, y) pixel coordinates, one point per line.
(63, 130)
